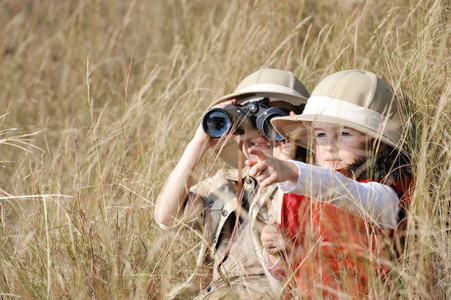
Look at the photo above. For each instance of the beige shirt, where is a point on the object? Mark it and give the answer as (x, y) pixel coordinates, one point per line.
(213, 203)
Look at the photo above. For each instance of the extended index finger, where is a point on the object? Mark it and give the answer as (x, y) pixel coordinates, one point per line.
(259, 154)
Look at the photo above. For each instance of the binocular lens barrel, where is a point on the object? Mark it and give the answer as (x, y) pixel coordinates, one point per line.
(216, 122)
(269, 131)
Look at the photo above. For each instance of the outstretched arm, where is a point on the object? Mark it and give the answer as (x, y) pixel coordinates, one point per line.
(378, 201)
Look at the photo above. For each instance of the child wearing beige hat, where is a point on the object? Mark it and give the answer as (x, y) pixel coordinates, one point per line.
(228, 264)
(339, 217)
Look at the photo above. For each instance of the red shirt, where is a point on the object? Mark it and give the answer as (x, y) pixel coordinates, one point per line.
(334, 250)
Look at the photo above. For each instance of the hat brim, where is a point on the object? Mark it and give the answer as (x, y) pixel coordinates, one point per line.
(296, 129)
(227, 151)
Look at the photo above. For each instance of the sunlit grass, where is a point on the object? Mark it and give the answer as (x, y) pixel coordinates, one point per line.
(99, 99)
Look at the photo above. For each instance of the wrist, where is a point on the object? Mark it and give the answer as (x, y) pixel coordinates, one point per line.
(199, 145)
(293, 174)
(271, 259)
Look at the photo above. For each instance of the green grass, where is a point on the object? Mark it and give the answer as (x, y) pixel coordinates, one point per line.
(99, 99)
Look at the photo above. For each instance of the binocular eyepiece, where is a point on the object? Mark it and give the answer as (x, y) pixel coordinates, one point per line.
(235, 118)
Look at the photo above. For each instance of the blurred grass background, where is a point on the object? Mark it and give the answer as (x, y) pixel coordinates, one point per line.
(99, 98)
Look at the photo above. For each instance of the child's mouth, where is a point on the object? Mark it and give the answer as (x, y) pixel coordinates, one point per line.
(261, 143)
(333, 162)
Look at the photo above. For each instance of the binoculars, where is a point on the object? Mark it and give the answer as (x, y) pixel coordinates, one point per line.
(235, 118)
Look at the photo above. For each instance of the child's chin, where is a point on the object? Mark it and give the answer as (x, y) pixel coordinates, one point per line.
(331, 166)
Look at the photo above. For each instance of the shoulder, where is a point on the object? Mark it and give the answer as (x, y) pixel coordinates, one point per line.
(222, 179)
(232, 174)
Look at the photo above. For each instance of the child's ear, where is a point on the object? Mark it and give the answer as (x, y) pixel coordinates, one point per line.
(380, 147)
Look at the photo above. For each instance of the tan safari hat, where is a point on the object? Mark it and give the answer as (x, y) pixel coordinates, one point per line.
(271, 83)
(354, 98)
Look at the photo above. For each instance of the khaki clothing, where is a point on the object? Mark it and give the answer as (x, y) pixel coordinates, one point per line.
(211, 206)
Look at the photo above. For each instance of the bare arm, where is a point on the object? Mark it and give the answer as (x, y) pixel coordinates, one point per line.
(172, 197)
(175, 190)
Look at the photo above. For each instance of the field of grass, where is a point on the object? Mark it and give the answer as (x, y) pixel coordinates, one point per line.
(99, 98)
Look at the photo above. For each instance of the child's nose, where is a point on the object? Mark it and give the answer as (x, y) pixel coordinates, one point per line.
(332, 144)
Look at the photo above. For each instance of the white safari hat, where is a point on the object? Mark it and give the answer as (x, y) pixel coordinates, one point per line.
(271, 83)
(353, 98)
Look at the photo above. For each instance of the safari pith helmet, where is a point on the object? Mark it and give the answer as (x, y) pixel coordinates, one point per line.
(354, 98)
(271, 83)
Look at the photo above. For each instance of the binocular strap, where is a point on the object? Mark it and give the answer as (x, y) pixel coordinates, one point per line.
(237, 211)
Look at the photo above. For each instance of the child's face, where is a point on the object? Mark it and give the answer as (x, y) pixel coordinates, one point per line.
(253, 138)
(338, 147)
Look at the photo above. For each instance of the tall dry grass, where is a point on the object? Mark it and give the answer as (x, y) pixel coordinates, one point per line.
(99, 98)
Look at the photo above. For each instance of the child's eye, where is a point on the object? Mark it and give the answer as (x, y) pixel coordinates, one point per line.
(320, 134)
(345, 133)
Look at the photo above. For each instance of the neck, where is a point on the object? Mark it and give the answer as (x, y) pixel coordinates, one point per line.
(387, 167)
